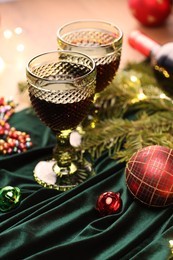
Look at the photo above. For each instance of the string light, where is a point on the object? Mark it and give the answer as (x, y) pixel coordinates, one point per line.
(20, 47)
(133, 78)
(13, 35)
(163, 96)
(18, 30)
(8, 34)
(141, 96)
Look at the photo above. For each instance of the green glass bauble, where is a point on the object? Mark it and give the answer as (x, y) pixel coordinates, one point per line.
(9, 198)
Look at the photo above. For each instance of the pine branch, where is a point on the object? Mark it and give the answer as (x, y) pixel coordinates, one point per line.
(107, 135)
(124, 137)
(131, 91)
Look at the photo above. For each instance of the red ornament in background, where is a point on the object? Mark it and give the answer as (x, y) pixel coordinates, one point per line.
(149, 175)
(108, 203)
(150, 12)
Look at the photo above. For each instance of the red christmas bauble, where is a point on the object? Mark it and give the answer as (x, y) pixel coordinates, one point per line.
(108, 203)
(150, 12)
(149, 175)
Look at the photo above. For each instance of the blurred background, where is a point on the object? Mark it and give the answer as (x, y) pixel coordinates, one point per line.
(28, 27)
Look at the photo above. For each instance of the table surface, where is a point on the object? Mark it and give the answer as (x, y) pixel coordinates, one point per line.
(40, 19)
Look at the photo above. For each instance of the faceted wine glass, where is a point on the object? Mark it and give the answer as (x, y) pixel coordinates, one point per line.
(61, 87)
(100, 40)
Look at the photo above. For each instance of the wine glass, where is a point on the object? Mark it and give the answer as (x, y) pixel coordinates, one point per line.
(61, 87)
(100, 40)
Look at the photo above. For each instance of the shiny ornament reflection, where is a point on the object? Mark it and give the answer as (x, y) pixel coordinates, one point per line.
(108, 203)
(9, 198)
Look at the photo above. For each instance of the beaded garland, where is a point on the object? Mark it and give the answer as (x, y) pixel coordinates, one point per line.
(11, 140)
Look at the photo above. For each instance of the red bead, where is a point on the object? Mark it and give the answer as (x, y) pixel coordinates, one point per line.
(7, 126)
(14, 135)
(6, 146)
(1, 101)
(9, 150)
(21, 139)
(108, 203)
(12, 142)
(1, 131)
(22, 146)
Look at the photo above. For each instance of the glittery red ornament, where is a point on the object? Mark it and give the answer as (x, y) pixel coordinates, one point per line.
(108, 203)
(150, 12)
(149, 175)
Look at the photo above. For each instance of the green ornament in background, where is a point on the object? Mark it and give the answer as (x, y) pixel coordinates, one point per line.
(9, 198)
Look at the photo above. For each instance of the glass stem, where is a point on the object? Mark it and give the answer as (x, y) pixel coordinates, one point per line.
(64, 154)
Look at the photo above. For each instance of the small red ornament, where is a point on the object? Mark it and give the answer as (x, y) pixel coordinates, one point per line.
(149, 175)
(150, 12)
(108, 203)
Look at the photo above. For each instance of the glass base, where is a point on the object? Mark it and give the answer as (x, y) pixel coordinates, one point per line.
(50, 175)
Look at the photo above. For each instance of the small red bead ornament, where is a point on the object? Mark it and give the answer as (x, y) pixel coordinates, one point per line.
(149, 176)
(11, 140)
(108, 203)
(150, 12)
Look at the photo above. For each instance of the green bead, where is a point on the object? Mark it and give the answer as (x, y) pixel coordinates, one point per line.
(9, 198)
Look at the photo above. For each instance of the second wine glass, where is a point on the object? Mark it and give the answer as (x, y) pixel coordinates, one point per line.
(100, 40)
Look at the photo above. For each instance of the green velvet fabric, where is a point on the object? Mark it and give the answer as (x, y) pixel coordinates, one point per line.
(49, 224)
